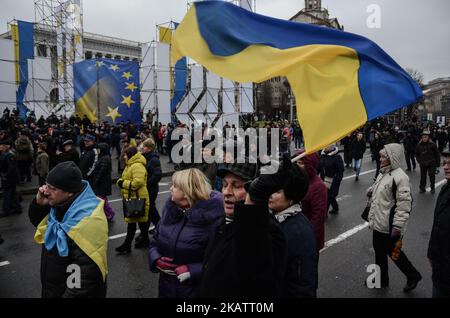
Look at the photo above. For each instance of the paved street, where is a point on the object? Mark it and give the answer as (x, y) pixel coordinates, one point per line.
(342, 268)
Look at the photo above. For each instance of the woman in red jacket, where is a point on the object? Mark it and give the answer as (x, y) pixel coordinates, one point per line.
(315, 203)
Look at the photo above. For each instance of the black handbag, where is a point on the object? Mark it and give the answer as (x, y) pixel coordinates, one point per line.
(365, 213)
(133, 208)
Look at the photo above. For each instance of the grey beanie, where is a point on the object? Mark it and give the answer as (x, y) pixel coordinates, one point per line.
(66, 176)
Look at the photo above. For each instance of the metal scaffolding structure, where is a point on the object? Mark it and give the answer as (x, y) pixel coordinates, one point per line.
(206, 97)
(62, 21)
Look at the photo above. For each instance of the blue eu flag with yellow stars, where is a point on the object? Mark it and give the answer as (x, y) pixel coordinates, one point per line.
(107, 90)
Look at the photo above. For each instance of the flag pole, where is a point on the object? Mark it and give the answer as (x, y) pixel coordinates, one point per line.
(298, 157)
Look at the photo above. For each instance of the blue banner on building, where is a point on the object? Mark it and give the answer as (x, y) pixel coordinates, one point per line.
(24, 37)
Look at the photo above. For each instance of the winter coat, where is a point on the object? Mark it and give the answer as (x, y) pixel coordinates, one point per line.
(135, 174)
(154, 173)
(410, 142)
(70, 155)
(439, 245)
(184, 236)
(303, 257)
(427, 154)
(8, 169)
(441, 138)
(24, 149)
(88, 161)
(42, 164)
(101, 177)
(332, 166)
(54, 268)
(346, 141)
(375, 146)
(358, 148)
(315, 203)
(246, 258)
(385, 210)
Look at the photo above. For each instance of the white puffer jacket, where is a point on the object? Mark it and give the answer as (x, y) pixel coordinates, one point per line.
(383, 199)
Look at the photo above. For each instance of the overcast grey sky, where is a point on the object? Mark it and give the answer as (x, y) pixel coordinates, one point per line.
(416, 33)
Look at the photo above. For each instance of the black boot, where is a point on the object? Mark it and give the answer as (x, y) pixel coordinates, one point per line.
(144, 242)
(138, 238)
(412, 283)
(123, 249)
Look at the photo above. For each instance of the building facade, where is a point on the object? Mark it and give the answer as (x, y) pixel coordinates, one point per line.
(437, 97)
(94, 45)
(43, 94)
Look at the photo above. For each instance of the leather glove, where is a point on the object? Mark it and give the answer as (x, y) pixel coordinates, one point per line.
(120, 183)
(165, 265)
(369, 192)
(182, 273)
(261, 188)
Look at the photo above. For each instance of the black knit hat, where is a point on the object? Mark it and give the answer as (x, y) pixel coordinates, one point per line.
(295, 184)
(66, 176)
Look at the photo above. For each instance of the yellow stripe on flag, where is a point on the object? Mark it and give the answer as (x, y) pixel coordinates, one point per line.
(165, 35)
(15, 38)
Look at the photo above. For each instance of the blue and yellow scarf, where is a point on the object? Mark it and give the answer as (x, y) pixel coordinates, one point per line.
(85, 223)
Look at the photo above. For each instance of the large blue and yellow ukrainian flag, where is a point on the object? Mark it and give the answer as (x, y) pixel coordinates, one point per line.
(106, 89)
(340, 80)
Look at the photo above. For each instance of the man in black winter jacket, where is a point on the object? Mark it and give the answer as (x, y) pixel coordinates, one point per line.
(439, 245)
(410, 143)
(248, 254)
(9, 179)
(332, 172)
(429, 158)
(69, 153)
(73, 231)
(89, 158)
(101, 178)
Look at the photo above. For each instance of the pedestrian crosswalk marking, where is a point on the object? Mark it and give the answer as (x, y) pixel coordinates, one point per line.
(344, 236)
(361, 174)
(344, 197)
(4, 263)
(121, 235)
(437, 184)
(360, 227)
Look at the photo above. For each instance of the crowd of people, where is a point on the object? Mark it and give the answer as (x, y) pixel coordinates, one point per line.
(220, 217)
